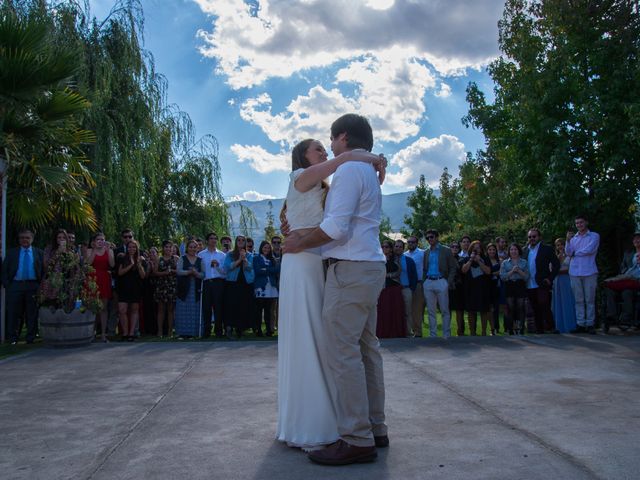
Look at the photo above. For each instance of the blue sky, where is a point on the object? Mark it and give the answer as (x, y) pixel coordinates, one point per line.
(262, 75)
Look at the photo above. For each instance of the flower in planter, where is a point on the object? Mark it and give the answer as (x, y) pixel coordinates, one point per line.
(67, 280)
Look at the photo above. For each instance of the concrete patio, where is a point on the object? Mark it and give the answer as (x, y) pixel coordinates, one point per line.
(535, 407)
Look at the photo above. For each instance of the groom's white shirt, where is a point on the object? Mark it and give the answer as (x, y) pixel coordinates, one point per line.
(352, 214)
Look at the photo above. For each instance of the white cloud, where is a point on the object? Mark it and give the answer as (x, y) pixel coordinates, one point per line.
(386, 62)
(251, 196)
(390, 93)
(261, 160)
(444, 92)
(282, 37)
(428, 157)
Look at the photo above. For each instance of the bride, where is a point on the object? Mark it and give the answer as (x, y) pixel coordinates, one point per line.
(306, 417)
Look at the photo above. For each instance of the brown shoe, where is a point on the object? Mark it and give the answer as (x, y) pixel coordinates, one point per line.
(341, 453)
(382, 441)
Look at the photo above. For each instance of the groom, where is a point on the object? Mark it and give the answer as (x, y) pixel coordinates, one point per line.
(355, 278)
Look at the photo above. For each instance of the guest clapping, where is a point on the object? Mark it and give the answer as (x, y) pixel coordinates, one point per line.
(514, 272)
(131, 273)
(164, 295)
(265, 287)
(476, 271)
(239, 298)
(101, 258)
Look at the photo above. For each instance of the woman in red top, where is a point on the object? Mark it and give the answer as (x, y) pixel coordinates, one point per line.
(101, 258)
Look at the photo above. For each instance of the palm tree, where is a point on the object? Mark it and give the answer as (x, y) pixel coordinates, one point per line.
(40, 134)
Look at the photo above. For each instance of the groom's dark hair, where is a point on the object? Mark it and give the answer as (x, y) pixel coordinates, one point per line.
(357, 128)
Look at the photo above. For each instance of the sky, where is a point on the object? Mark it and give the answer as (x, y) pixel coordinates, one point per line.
(262, 75)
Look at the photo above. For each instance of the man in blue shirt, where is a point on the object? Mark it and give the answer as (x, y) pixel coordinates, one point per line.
(408, 280)
(439, 277)
(22, 271)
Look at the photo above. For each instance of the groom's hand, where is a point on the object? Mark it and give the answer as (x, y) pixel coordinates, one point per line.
(292, 243)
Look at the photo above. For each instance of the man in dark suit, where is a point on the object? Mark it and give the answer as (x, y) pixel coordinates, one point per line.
(22, 272)
(543, 267)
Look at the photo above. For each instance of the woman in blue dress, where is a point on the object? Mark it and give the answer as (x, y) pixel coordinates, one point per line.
(188, 321)
(563, 304)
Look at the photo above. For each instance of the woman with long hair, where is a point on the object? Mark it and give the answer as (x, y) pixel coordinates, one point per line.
(189, 287)
(563, 304)
(391, 322)
(265, 286)
(306, 417)
(238, 306)
(164, 271)
(514, 272)
(59, 243)
(131, 273)
(494, 287)
(476, 270)
(101, 258)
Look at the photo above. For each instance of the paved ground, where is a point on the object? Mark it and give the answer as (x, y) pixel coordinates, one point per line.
(548, 407)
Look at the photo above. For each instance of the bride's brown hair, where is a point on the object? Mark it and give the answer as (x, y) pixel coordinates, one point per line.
(299, 160)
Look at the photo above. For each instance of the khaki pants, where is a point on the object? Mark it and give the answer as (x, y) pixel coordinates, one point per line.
(353, 360)
(417, 310)
(436, 293)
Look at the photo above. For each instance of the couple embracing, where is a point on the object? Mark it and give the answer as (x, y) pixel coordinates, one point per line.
(330, 380)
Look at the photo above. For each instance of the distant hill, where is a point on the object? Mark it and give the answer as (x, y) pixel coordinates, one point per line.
(394, 206)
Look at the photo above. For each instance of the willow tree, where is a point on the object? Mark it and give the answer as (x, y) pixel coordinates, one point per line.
(153, 174)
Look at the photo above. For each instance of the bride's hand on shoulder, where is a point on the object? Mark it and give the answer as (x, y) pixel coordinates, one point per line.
(380, 164)
(285, 228)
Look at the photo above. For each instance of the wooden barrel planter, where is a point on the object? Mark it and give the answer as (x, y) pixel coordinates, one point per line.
(63, 330)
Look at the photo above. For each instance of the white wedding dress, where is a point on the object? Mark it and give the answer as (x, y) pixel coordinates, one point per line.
(306, 417)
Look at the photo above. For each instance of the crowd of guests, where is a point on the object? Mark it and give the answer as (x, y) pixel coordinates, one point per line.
(196, 289)
(535, 287)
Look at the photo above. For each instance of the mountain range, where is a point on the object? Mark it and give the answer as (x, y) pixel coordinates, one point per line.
(394, 206)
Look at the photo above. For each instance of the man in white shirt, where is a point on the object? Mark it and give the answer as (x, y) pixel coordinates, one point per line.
(416, 254)
(355, 278)
(213, 285)
(582, 247)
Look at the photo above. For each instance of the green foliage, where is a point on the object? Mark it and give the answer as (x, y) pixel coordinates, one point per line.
(562, 133)
(41, 136)
(424, 205)
(247, 223)
(270, 229)
(67, 279)
(385, 228)
(152, 174)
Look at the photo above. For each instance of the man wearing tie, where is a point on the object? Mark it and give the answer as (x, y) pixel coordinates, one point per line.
(22, 272)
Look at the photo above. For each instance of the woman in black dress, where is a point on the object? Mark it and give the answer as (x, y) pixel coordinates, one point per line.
(494, 287)
(131, 273)
(239, 300)
(476, 271)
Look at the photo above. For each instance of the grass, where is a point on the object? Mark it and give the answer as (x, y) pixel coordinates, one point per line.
(7, 350)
